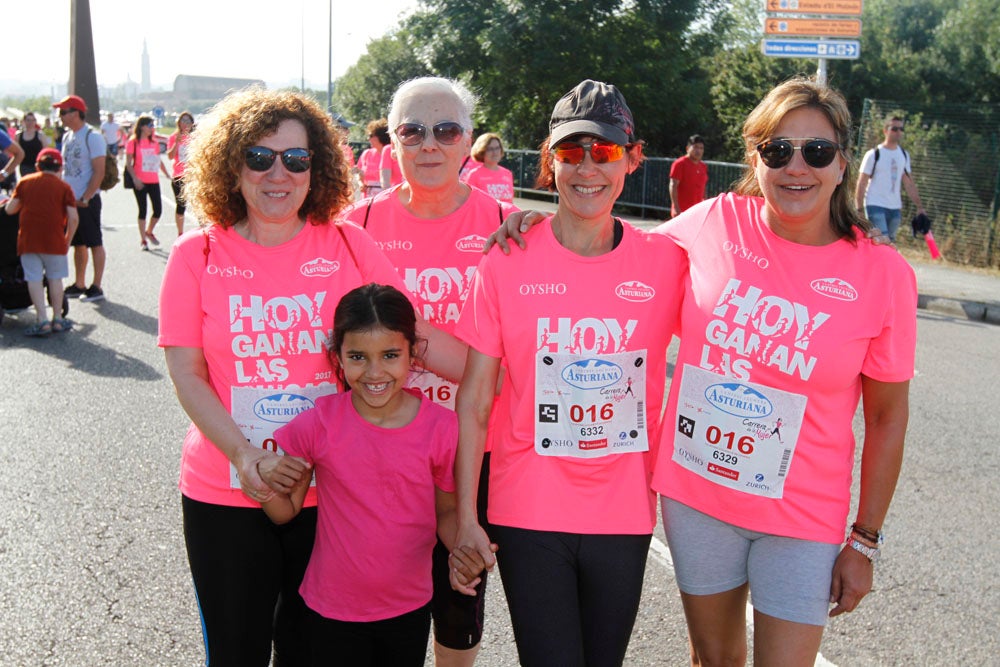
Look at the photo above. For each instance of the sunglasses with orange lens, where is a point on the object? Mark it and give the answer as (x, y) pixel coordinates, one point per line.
(572, 152)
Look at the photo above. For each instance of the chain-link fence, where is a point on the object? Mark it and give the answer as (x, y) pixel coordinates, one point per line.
(955, 153)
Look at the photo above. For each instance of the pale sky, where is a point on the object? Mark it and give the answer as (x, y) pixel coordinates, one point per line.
(274, 40)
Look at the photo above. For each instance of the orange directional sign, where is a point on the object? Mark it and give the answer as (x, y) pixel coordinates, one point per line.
(839, 7)
(813, 27)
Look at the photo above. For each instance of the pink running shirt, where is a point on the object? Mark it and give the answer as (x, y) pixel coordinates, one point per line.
(807, 320)
(368, 163)
(497, 183)
(262, 316)
(147, 159)
(377, 522)
(387, 161)
(616, 313)
(182, 152)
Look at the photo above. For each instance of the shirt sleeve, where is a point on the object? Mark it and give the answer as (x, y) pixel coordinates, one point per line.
(181, 312)
(891, 354)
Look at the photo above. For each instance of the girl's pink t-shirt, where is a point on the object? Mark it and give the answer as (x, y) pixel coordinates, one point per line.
(182, 151)
(387, 161)
(377, 521)
(368, 163)
(806, 320)
(585, 342)
(147, 159)
(497, 183)
(262, 317)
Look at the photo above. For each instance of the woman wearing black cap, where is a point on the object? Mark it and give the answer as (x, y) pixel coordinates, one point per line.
(582, 319)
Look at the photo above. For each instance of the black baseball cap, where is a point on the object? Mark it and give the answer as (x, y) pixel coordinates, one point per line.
(592, 107)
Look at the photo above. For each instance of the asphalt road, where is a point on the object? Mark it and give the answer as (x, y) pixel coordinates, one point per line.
(92, 562)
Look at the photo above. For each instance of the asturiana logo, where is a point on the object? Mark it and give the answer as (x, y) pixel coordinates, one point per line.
(471, 243)
(835, 288)
(319, 268)
(634, 290)
(738, 399)
(592, 373)
(281, 408)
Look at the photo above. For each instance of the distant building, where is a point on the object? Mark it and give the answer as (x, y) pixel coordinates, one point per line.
(146, 85)
(188, 88)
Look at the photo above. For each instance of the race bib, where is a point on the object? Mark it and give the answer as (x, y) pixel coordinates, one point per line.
(741, 435)
(259, 412)
(588, 407)
(435, 388)
(150, 160)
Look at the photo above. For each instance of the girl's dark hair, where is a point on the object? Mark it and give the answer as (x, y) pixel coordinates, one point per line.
(140, 123)
(367, 307)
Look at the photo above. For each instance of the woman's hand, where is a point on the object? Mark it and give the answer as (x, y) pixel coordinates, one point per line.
(283, 473)
(516, 224)
(852, 580)
(246, 461)
(139, 185)
(472, 554)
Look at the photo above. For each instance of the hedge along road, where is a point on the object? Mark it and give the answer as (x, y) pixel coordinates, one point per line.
(92, 563)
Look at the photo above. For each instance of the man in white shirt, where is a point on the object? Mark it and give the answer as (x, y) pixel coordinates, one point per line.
(883, 169)
(111, 131)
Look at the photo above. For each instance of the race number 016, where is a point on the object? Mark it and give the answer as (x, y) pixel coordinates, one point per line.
(715, 436)
(578, 413)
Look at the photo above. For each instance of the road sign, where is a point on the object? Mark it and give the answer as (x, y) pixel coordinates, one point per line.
(838, 49)
(840, 7)
(813, 27)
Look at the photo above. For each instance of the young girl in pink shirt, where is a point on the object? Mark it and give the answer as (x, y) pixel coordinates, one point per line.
(383, 457)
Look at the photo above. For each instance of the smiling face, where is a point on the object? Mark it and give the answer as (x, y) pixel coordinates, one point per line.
(797, 196)
(588, 191)
(376, 365)
(276, 195)
(431, 166)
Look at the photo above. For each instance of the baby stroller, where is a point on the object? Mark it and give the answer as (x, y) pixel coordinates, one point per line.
(14, 295)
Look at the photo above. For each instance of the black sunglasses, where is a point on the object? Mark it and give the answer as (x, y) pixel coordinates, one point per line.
(447, 132)
(817, 153)
(296, 160)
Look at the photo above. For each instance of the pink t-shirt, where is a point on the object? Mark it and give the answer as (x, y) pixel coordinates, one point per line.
(387, 161)
(368, 163)
(182, 151)
(147, 159)
(765, 314)
(262, 316)
(435, 258)
(585, 342)
(497, 183)
(377, 522)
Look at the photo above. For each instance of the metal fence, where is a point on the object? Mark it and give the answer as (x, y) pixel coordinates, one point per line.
(646, 190)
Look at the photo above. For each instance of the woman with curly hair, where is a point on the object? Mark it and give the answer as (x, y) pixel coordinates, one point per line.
(245, 309)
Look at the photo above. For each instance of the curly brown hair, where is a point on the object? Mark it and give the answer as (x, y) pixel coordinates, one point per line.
(239, 121)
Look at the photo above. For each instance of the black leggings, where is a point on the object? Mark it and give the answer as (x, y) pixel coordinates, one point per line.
(393, 642)
(177, 185)
(153, 190)
(573, 598)
(247, 573)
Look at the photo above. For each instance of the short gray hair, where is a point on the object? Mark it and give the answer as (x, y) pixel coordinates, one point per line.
(466, 98)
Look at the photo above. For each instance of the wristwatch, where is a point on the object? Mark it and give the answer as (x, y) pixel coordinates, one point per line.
(871, 553)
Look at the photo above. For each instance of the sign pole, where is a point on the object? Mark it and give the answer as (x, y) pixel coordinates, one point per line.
(821, 72)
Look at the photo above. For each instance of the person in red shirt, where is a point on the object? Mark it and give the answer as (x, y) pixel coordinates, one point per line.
(48, 221)
(688, 177)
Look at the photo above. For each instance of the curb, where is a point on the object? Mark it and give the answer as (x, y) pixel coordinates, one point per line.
(974, 311)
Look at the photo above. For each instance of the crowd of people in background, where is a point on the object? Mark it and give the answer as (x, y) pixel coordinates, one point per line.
(442, 411)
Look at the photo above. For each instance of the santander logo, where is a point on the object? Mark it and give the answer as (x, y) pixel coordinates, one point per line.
(835, 288)
(634, 290)
(471, 243)
(319, 268)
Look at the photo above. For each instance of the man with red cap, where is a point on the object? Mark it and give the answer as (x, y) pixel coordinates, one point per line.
(83, 152)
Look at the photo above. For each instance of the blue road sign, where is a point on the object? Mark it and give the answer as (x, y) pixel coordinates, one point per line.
(838, 49)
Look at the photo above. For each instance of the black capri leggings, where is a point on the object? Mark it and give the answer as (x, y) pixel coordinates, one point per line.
(153, 191)
(573, 598)
(177, 185)
(247, 573)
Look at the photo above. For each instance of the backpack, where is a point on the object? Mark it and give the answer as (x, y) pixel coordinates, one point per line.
(906, 158)
(110, 165)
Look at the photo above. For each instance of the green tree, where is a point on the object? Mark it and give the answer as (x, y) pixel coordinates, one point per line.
(363, 92)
